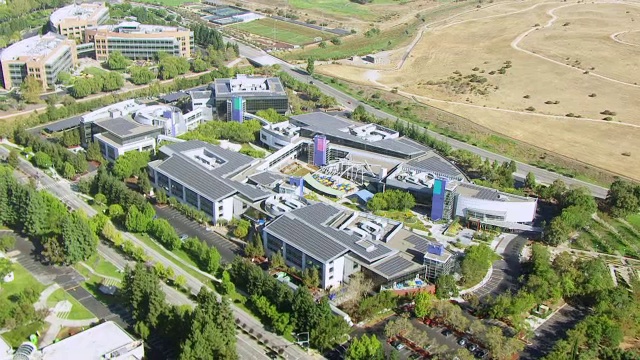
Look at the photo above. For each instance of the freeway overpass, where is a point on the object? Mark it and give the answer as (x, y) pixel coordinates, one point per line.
(349, 102)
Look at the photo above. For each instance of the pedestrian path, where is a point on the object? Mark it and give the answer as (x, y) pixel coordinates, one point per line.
(44, 295)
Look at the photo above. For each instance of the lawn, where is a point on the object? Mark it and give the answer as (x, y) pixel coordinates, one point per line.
(634, 219)
(600, 238)
(282, 31)
(92, 70)
(78, 311)
(338, 7)
(103, 267)
(23, 280)
(21, 334)
(92, 285)
(166, 2)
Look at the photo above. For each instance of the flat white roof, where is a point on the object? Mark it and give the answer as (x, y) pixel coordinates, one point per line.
(134, 27)
(33, 47)
(93, 343)
(78, 12)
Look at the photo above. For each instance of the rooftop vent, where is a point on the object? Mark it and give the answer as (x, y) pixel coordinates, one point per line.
(367, 245)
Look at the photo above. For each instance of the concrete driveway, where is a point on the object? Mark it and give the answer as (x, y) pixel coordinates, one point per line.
(505, 271)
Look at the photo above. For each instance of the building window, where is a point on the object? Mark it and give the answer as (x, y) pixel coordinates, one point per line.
(355, 265)
(331, 277)
(331, 270)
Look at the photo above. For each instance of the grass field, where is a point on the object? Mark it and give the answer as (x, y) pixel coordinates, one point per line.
(103, 267)
(21, 334)
(624, 240)
(282, 31)
(78, 311)
(529, 99)
(92, 70)
(23, 280)
(166, 2)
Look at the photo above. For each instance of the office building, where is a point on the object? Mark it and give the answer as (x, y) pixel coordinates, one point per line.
(119, 135)
(169, 119)
(233, 99)
(339, 243)
(41, 56)
(200, 174)
(72, 20)
(138, 41)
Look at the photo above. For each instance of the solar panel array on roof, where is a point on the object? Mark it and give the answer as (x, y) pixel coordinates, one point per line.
(64, 124)
(394, 266)
(481, 192)
(434, 163)
(266, 178)
(419, 243)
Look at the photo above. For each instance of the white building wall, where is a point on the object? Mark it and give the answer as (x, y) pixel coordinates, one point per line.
(520, 212)
(338, 273)
(227, 208)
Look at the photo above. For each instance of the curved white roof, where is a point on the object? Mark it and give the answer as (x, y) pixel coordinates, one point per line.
(77, 12)
(33, 47)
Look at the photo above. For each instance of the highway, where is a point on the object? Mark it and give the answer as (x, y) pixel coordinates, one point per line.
(349, 102)
(62, 190)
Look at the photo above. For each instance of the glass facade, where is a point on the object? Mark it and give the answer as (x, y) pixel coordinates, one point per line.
(176, 189)
(294, 256)
(206, 205)
(191, 197)
(254, 104)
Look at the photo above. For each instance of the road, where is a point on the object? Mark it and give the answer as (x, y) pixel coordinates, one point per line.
(553, 330)
(62, 190)
(349, 102)
(506, 271)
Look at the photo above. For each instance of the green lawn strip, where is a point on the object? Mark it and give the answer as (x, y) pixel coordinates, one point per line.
(78, 311)
(22, 280)
(338, 7)
(634, 219)
(92, 70)
(103, 267)
(283, 31)
(181, 254)
(21, 333)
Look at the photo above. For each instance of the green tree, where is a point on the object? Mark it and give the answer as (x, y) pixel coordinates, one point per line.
(530, 181)
(277, 261)
(94, 153)
(6, 267)
(131, 163)
(254, 248)
(142, 329)
(14, 158)
(365, 348)
(376, 204)
(117, 61)
(68, 171)
(271, 115)
(311, 65)
(112, 81)
(141, 290)
(30, 90)
(53, 251)
(212, 334)
(161, 196)
(115, 211)
(476, 263)
(226, 286)
(199, 65)
(144, 184)
(35, 218)
(42, 160)
(446, 286)
(99, 199)
(180, 281)
(82, 88)
(141, 75)
(424, 302)
(79, 241)
(7, 242)
(623, 198)
(311, 277)
(71, 138)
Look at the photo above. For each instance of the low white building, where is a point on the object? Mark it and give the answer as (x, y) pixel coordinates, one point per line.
(119, 135)
(169, 119)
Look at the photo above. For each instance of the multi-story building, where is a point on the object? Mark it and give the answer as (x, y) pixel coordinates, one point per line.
(120, 135)
(233, 99)
(72, 20)
(200, 174)
(42, 57)
(138, 41)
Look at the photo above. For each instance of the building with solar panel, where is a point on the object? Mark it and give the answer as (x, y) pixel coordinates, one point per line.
(340, 243)
(233, 99)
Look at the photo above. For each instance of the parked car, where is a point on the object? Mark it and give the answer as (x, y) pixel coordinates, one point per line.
(400, 346)
(472, 347)
(415, 356)
(447, 332)
(184, 237)
(462, 341)
(481, 354)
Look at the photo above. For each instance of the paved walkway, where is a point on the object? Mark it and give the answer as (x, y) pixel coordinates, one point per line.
(42, 300)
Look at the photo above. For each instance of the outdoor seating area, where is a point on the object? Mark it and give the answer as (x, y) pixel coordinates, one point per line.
(333, 182)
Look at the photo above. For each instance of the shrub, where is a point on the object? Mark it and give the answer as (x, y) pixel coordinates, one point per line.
(592, 95)
(526, 96)
(530, 108)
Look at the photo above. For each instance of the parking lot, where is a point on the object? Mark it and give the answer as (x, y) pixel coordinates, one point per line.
(227, 249)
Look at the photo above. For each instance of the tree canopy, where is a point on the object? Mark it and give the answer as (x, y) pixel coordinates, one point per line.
(117, 61)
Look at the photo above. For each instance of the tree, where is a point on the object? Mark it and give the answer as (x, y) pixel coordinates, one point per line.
(424, 302)
(476, 263)
(99, 199)
(365, 348)
(79, 241)
(311, 277)
(112, 81)
(376, 204)
(68, 171)
(82, 88)
(446, 286)
(199, 65)
(94, 153)
(142, 329)
(254, 248)
(180, 281)
(212, 334)
(399, 326)
(6, 267)
(530, 181)
(70, 138)
(622, 198)
(53, 251)
(14, 158)
(30, 90)
(144, 184)
(271, 115)
(277, 261)
(161, 196)
(42, 160)
(141, 290)
(35, 218)
(115, 211)
(141, 75)
(226, 286)
(117, 61)
(311, 65)
(7, 242)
